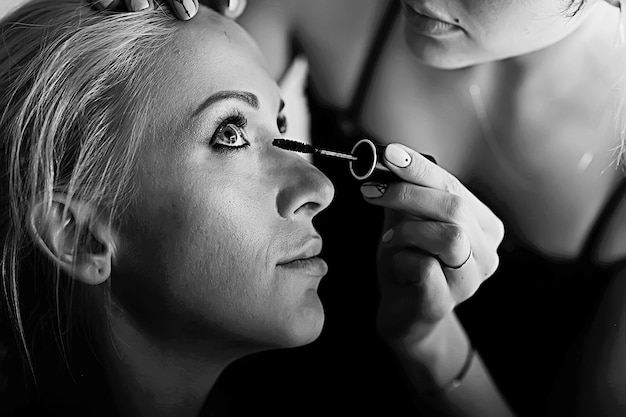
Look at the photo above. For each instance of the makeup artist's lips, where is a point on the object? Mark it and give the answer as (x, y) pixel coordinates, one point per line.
(428, 22)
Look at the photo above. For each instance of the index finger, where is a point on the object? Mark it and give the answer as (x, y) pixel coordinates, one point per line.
(413, 167)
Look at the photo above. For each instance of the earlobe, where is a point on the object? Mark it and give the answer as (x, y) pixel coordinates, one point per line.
(95, 271)
(72, 236)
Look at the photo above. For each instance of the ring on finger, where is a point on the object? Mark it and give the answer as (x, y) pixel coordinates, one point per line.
(469, 256)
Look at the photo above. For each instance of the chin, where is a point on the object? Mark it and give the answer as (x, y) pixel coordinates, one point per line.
(446, 64)
(306, 325)
(438, 54)
(435, 58)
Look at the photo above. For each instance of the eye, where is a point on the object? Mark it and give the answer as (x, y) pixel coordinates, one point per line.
(230, 133)
(281, 121)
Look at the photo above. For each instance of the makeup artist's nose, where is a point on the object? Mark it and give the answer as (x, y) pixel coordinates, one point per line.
(306, 191)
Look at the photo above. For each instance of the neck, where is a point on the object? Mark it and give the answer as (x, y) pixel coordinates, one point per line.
(151, 376)
(582, 71)
(590, 48)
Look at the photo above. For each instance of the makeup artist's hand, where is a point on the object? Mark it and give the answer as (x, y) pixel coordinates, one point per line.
(439, 245)
(183, 9)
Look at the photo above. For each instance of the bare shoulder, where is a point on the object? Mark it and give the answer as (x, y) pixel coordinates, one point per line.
(269, 22)
(333, 34)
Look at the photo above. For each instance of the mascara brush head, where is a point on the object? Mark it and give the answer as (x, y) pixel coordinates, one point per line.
(295, 146)
(292, 145)
(364, 161)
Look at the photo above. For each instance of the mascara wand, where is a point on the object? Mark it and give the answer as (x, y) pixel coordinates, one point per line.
(364, 161)
(295, 146)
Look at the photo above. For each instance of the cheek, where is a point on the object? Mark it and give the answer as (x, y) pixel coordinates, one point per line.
(198, 253)
(216, 238)
(494, 30)
(513, 28)
(221, 243)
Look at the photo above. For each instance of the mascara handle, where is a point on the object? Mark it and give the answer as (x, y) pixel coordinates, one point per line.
(369, 167)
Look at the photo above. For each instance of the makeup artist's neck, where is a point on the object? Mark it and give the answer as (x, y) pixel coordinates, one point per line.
(580, 68)
(148, 377)
(590, 48)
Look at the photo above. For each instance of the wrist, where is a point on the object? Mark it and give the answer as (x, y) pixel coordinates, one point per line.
(438, 359)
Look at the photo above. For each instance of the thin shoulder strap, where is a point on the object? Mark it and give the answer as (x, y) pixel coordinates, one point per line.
(369, 67)
(602, 222)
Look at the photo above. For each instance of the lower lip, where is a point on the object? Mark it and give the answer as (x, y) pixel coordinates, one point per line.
(428, 26)
(310, 266)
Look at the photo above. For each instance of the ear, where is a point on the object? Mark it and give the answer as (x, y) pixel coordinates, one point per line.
(73, 236)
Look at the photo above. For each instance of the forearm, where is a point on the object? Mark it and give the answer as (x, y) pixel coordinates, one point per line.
(431, 366)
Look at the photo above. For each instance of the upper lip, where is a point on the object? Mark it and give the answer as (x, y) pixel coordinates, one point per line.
(309, 249)
(429, 12)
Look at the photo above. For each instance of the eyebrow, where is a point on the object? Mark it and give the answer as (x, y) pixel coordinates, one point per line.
(249, 98)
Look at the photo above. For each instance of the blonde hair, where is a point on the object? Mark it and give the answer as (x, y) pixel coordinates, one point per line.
(75, 99)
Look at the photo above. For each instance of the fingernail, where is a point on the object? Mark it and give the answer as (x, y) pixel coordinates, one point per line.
(138, 5)
(397, 156)
(185, 8)
(232, 5)
(387, 236)
(373, 189)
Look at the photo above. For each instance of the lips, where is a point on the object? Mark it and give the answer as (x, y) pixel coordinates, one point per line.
(313, 266)
(306, 260)
(428, 21)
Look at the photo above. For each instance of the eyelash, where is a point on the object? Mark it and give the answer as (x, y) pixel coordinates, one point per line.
(238, 119)
(281, 121)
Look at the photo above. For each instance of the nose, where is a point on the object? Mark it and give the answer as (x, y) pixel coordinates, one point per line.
(305, 190)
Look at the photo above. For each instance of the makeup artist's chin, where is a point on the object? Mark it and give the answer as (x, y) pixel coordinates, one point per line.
(447, 54)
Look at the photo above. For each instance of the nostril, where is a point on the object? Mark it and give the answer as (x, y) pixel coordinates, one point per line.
(304, 191)
(309, 208)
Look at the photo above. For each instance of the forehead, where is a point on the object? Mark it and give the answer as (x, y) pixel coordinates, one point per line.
(212, 31)
(211, 53)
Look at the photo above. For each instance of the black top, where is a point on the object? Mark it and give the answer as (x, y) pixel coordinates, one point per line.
(528, 318)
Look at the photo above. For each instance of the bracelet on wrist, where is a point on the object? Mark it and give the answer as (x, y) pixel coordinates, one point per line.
(458, 379)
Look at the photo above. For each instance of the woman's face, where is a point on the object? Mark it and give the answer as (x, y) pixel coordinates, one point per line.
(478, 31)
(221, 215)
